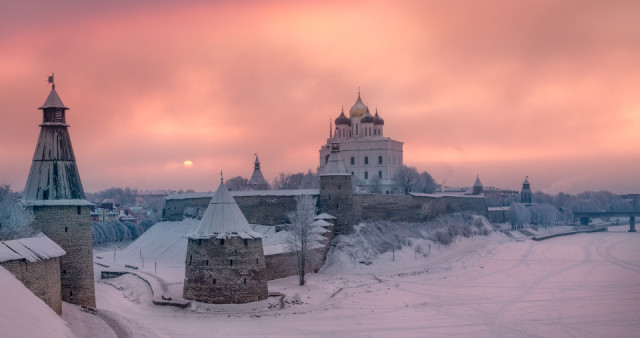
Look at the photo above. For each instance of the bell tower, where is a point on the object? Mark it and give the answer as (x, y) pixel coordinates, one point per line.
(54, 192)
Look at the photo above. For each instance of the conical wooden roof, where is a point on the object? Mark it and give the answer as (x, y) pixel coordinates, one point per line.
(224, 218)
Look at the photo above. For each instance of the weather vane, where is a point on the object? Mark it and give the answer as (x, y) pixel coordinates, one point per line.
(53, 85)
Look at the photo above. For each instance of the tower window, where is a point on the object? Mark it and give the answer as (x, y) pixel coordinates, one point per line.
(214, 281)
(190, 259)
(353, 160)
(338, 186)
(379, 159)
(245, 281)
(206, 262)
(79, 210)
(66, 229)
(230, 262)
(366, 175)
(44, 194)
(222, 241)
(326, 159)
(379, 174)
(366, 160)
(246, 243)
(64, 272)
(257, 261)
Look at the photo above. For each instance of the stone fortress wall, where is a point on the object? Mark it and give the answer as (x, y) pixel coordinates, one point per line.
(41, 277)
(272, 210)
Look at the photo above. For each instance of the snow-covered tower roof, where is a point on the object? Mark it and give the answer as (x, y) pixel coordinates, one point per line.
(54, 175)
(335, 164)
(477, 186)
(257, 181)
(477, 183)
(223, 218)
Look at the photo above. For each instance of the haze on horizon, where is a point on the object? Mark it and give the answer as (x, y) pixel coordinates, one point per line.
(502, 89)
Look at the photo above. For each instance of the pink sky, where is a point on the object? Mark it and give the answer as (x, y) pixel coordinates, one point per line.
(503, 89)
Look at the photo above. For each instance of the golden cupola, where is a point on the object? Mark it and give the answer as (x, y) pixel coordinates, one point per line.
(358, 109)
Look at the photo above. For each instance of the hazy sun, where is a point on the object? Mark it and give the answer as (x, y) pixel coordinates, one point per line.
(187, 164)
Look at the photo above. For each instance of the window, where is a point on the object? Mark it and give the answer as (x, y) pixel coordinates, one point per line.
(366, 160)
(245, 281)
(379, 174)
(257, 261)
(64, 272)
(79, 210)
(222, 242)
(206, 262)
(230, 262)
(353, 160)
(214, 281)
(246, 243)
(338, 186)
(379, 159)
(190, 259)
(326, 159)
(366, 175)
(356, 129)
(44, 194)
(66, 229)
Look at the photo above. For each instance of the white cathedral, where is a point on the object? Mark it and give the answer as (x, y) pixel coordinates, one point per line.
(370, 157)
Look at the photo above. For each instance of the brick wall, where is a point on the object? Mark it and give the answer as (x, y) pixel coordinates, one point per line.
(70, 227)
(41, 277)
(233, 271)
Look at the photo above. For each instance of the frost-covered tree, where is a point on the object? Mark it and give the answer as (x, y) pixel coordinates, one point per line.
(301, 231)
(544, 214)
(426, 183)
(405, 179)
(301, 180)
(518, 215)
(15, 219)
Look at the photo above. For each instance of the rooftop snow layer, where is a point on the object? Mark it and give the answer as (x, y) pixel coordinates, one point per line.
(32, 249)
(287, 192)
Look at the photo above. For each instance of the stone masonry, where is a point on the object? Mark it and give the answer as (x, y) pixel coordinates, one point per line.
(225, 271)
(41, 277)
(70, 227)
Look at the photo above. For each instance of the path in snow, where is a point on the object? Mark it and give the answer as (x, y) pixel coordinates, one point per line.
(582, 285)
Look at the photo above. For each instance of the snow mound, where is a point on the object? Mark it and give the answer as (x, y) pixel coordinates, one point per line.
(163, 242)
(22, 314)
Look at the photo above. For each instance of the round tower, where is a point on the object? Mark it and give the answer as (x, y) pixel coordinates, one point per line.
(336, 192)
(225, 261)
(54, 192)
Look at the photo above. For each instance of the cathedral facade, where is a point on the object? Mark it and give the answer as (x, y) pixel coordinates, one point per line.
(371, 158)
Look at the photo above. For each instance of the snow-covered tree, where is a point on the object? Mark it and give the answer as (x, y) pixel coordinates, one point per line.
(15, 219)
(518, 215)
(237, 183)
(544, 214)
(405, 179)
(301, 231)
(299, 180)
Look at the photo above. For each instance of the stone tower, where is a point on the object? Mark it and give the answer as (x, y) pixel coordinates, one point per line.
(478, 188)
(225, 261)
(54, 192)
(526, 194)
(257, 181)
(336, 191)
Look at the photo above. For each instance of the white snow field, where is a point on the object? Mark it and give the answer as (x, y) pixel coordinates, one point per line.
(585, 285)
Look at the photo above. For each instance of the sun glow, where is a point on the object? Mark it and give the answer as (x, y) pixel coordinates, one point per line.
(187, 164)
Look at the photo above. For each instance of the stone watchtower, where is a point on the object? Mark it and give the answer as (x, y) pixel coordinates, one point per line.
(225, 260)
(336, 191)
(257, 181)
(54, 192)
(526, 196)
(478, 188)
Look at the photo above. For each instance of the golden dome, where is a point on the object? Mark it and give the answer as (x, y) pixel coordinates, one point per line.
(358, 109)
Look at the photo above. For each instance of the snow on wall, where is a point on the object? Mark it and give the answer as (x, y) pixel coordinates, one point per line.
(32, 249)
(287, 192)
(22, 314)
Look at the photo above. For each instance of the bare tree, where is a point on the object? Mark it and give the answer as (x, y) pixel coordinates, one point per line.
(426, 183)
(299, 180)
(405, 179)
(237, 183)
(301, 231)
(15, 219)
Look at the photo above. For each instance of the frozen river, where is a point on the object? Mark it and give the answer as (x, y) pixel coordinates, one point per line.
(585, 285)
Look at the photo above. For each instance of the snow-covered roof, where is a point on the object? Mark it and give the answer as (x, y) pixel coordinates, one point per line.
(321, 223)
(223, 218)
(477, 183)
(447, 194)
(53, 100)
(324, 215)
(32, 249)
(335, 165)
(37, 203)
(286, 192)
(498, 208)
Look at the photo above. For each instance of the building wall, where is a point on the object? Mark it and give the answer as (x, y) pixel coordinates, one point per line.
(336, 198)
(72, 231)
(41, 277)
(284, 264)
(233, 272)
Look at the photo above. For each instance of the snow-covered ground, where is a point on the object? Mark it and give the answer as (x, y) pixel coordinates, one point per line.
(581, 285)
